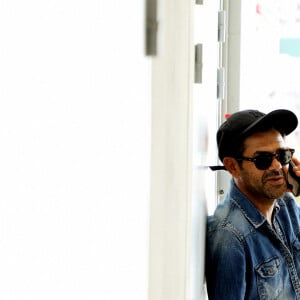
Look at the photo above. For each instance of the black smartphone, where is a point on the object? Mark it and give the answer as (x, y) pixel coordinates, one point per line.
(293, 180)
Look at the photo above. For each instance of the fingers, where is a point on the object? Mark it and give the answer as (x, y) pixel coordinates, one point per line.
(296, 161)
(296, 169)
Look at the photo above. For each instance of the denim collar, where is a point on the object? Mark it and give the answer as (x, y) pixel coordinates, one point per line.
(251, 213)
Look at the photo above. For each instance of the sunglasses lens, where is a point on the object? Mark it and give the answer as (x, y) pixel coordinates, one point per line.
(284, 156)
(264, 160)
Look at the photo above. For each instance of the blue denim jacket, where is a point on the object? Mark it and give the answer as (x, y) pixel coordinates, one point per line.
(246, 258)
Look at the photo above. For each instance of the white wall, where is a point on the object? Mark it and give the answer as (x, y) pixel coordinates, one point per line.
(74, 154)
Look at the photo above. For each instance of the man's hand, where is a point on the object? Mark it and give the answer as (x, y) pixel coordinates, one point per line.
(296, 169)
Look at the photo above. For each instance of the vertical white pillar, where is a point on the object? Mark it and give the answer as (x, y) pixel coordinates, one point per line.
(171, 153)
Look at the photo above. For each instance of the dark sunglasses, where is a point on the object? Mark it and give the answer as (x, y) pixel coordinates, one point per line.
(263, 160)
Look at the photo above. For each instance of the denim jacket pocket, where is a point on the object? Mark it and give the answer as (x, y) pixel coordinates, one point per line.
(269, 281)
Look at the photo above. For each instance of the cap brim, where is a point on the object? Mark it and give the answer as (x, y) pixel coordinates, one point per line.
(282, 120)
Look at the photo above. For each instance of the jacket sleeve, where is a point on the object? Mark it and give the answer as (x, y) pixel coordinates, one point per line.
(225, 266)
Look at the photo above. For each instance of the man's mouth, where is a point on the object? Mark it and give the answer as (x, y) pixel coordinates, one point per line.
(276, 180)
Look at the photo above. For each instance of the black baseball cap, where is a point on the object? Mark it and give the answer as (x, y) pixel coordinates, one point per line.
(246, 122)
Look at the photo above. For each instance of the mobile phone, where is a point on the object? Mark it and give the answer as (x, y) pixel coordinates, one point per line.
(293, 180)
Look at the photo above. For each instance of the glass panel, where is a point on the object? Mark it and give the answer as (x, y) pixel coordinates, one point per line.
(270, 58)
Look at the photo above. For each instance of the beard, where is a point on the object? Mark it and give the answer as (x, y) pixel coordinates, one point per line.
(262, 187)
(271, 191)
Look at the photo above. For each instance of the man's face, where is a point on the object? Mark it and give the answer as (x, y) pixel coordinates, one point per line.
(263, 185)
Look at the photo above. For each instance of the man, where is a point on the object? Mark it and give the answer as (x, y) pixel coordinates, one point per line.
(253, 238)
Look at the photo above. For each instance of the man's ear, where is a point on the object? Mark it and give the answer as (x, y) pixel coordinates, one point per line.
(231, 166)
